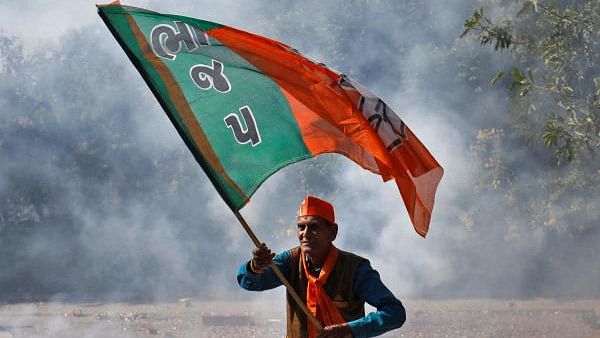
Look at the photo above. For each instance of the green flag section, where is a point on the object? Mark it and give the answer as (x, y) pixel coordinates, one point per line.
(215, 99)
(246, 106)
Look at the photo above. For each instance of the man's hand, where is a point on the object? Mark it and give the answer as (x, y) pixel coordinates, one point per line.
(336, 331)
(261, 258)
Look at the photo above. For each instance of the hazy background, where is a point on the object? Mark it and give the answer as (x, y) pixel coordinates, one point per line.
(100, 199)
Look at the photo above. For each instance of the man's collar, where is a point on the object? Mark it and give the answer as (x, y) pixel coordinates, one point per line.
(312, 268)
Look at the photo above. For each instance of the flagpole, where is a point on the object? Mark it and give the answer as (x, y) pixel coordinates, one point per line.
(279, 274)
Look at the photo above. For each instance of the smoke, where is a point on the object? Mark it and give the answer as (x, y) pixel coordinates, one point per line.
(100, 198)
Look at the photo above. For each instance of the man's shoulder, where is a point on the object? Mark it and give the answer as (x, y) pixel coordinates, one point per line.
(351, 256)
(294, 253)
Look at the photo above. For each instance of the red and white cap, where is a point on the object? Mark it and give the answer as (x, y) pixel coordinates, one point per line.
(312, 206)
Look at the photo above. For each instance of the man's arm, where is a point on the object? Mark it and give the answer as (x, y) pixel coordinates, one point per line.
(390, 312)
(266, 279)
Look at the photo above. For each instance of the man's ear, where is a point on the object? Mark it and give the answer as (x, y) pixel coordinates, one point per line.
(334, 231)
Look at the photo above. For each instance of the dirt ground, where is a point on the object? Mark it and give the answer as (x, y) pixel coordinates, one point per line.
(194, 318)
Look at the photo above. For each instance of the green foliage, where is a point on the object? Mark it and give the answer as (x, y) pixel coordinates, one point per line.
(555, 112)
(498, 76)
(561, 45)
(489, 33)
(472, 22)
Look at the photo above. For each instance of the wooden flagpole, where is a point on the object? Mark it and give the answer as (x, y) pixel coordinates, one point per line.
(279, 274)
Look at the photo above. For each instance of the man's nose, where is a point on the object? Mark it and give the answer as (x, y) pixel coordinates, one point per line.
(307, 233)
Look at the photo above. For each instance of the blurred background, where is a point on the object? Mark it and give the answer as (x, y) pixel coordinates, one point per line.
(100, 199)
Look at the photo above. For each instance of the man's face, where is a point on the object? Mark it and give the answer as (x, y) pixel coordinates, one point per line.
(315, 235)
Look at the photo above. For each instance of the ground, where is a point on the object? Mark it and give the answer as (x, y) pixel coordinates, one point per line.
(194, 318)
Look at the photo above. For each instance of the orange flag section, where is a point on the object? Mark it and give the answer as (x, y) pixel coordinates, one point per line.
(337, 115)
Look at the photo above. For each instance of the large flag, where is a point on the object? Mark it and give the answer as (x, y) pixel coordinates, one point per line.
(246, 106)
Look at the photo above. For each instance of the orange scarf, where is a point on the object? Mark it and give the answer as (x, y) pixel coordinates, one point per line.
(317, 300)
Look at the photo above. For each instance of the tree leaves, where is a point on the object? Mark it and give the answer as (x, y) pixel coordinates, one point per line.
(555, 111)
(498, 35)
(472, 22)
(498, 77)
(563, 49)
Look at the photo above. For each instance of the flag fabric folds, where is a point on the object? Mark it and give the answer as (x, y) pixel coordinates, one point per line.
(246, 106)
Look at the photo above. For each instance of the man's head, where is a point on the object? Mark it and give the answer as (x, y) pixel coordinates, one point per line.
(316, 228)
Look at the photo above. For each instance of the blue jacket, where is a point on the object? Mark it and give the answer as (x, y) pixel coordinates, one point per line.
(367, 286)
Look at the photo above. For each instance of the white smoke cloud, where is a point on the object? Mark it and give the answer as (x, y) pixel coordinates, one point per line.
(406, 52)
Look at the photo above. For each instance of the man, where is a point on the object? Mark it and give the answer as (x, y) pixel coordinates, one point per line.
(334, 284)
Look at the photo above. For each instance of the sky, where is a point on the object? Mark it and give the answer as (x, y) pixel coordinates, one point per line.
(138, 218)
